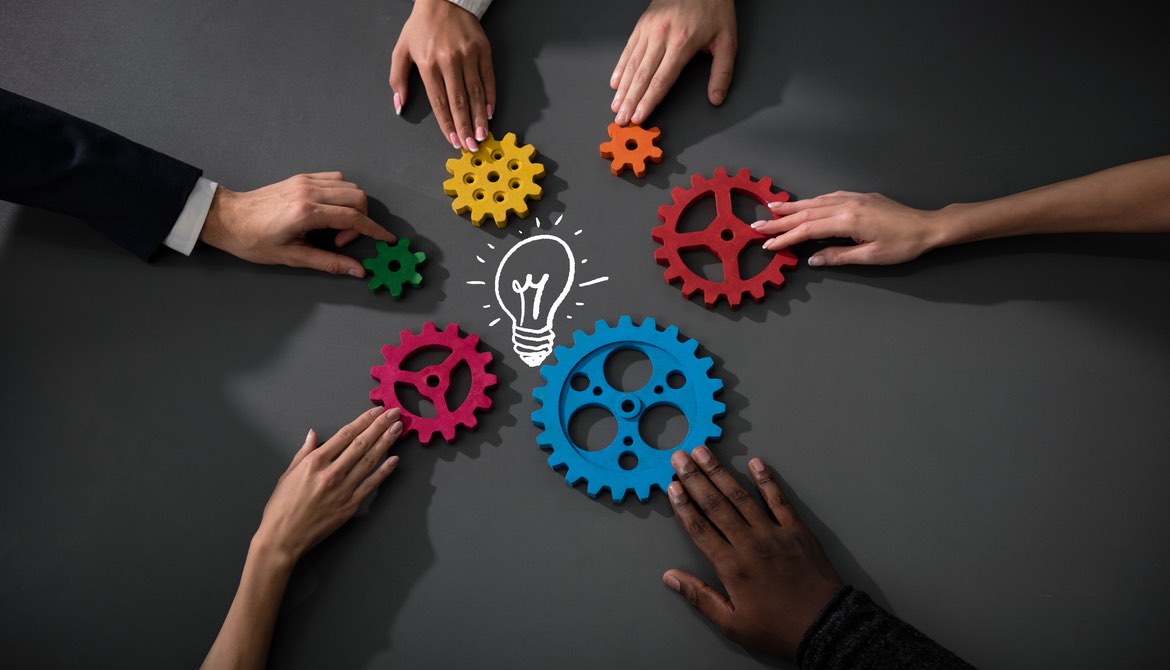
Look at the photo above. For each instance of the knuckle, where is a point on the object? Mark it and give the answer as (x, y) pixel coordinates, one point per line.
(302, 208)
(439, 101)
(713, 502)
(459, 102)
(740, 497)
(697, 527)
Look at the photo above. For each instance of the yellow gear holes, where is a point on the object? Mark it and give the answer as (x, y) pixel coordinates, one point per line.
(495, 180)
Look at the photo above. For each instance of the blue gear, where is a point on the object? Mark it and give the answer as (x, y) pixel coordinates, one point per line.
(583, 365)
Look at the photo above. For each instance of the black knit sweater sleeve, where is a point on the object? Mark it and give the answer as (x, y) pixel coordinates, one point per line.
(853, 632)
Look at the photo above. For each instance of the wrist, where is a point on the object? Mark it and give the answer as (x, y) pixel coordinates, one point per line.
(271, 556)
(218, 215)
(946, 226)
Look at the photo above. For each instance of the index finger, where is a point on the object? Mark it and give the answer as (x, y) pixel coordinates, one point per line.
(338, 217)
(348, 434)
(729, 487)
(715, 505)
(660, 84)
(701, 532)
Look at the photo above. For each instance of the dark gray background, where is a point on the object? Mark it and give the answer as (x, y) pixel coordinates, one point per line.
(979, 438)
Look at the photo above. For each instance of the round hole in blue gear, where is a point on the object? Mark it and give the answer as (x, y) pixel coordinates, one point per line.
(628, 463)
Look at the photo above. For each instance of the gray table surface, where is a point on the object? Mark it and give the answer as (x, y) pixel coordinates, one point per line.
(979, 437)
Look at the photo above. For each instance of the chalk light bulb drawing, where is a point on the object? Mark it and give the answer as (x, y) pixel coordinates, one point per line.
(531, 302)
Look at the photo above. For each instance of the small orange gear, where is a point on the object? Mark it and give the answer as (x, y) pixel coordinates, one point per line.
(495, 180)
(631, 146)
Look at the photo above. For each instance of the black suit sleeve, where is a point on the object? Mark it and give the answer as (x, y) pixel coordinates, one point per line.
(853, 632)
(132, 194)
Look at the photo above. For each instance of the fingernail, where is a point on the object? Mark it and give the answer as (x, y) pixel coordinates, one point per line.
(393, 460)
(774, 205)
(675, 491)
(637, 118)
(816, 261)
(757, 465)
(309, 435)
(354, 272)
(454, 139)
(396, 428)
(480, 134)
(613, 105)
(768, 244)
(622, 118)
(398, 104)
(471, 145)
(489, 112)
(377, 410)
(757, 224)
(394, 413)
(679, 458)
(717, 97)
(671, 581)
(702, 455)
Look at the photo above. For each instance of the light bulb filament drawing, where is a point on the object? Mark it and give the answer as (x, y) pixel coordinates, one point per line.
(528, 283)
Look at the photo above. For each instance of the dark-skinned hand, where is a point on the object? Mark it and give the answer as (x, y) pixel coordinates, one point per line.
(776, 575)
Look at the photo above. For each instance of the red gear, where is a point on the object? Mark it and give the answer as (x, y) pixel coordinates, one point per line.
(725, 237)
(432, 381)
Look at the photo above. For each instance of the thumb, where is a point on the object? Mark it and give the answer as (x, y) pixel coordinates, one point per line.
(399, 76)
(305, 256)
(711, 603)
(722, 65)
(862, 254)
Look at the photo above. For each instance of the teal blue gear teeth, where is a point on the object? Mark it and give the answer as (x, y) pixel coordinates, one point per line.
(680, 378)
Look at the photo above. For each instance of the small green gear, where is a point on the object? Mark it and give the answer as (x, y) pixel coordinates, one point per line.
(394, 266)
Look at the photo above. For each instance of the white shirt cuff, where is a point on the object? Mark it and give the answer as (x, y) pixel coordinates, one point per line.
(186, 231)
(477, 7)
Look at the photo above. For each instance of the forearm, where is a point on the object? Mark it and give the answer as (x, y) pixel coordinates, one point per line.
(1129, 198)
(246, 634)
(853, 632)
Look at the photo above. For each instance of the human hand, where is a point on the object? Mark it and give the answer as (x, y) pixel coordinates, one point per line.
(776, 575)
(454, 59)
(324, 486)
(664, 40)
(885, 232)
(269, 225)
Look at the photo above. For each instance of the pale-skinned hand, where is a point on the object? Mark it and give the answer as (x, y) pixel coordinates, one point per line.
(454, 60)
(776, 575)
(324, 485)
(666, 37)
(884, 232)
(269, 225)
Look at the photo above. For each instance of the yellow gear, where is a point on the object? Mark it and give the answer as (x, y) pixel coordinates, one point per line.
(495, 180)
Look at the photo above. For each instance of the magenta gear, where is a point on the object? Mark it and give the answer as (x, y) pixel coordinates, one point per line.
(433, 381)
(725, 237)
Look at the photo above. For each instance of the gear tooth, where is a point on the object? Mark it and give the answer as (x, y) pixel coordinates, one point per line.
(678, 193)
(538, 394)
(556, 461)
(593, 488)
(558, 352)
(720, 173)
(625, 321)
(697, 180)
(571, 477)
(765, 182)
(642, 490)
(672, 332)
(618, 493)
(650, 322)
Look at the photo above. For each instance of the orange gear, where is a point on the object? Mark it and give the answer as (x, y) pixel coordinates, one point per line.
(494, 180)
(631, 146)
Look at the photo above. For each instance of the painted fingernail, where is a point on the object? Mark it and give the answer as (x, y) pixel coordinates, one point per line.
(768, 244)
(354, 272)
(480, 134)
(816, 261)
(454, 139)
(671, 581)
(757, 465)
(398, 104)
(675, 491)
(702, 455)
(309, 435)
(757, 224)
(490, 112)
(470, 144)
(774, 205)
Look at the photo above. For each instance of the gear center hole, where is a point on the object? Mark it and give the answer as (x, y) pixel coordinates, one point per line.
(727, 235)
(631, 144)
(393, 266)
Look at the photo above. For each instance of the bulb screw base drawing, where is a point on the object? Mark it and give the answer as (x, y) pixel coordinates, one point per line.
(532, 346)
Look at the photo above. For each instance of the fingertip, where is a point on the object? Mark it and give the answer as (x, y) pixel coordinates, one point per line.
(676, 493)
(757, 466)
(356, 271)
(816, 260)
(716, 96)
(671, 581)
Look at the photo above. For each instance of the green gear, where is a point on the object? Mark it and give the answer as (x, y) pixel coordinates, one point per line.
(394, 266)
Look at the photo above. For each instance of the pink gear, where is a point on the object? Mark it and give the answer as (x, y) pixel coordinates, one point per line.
(433, 381)
(725, 237)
